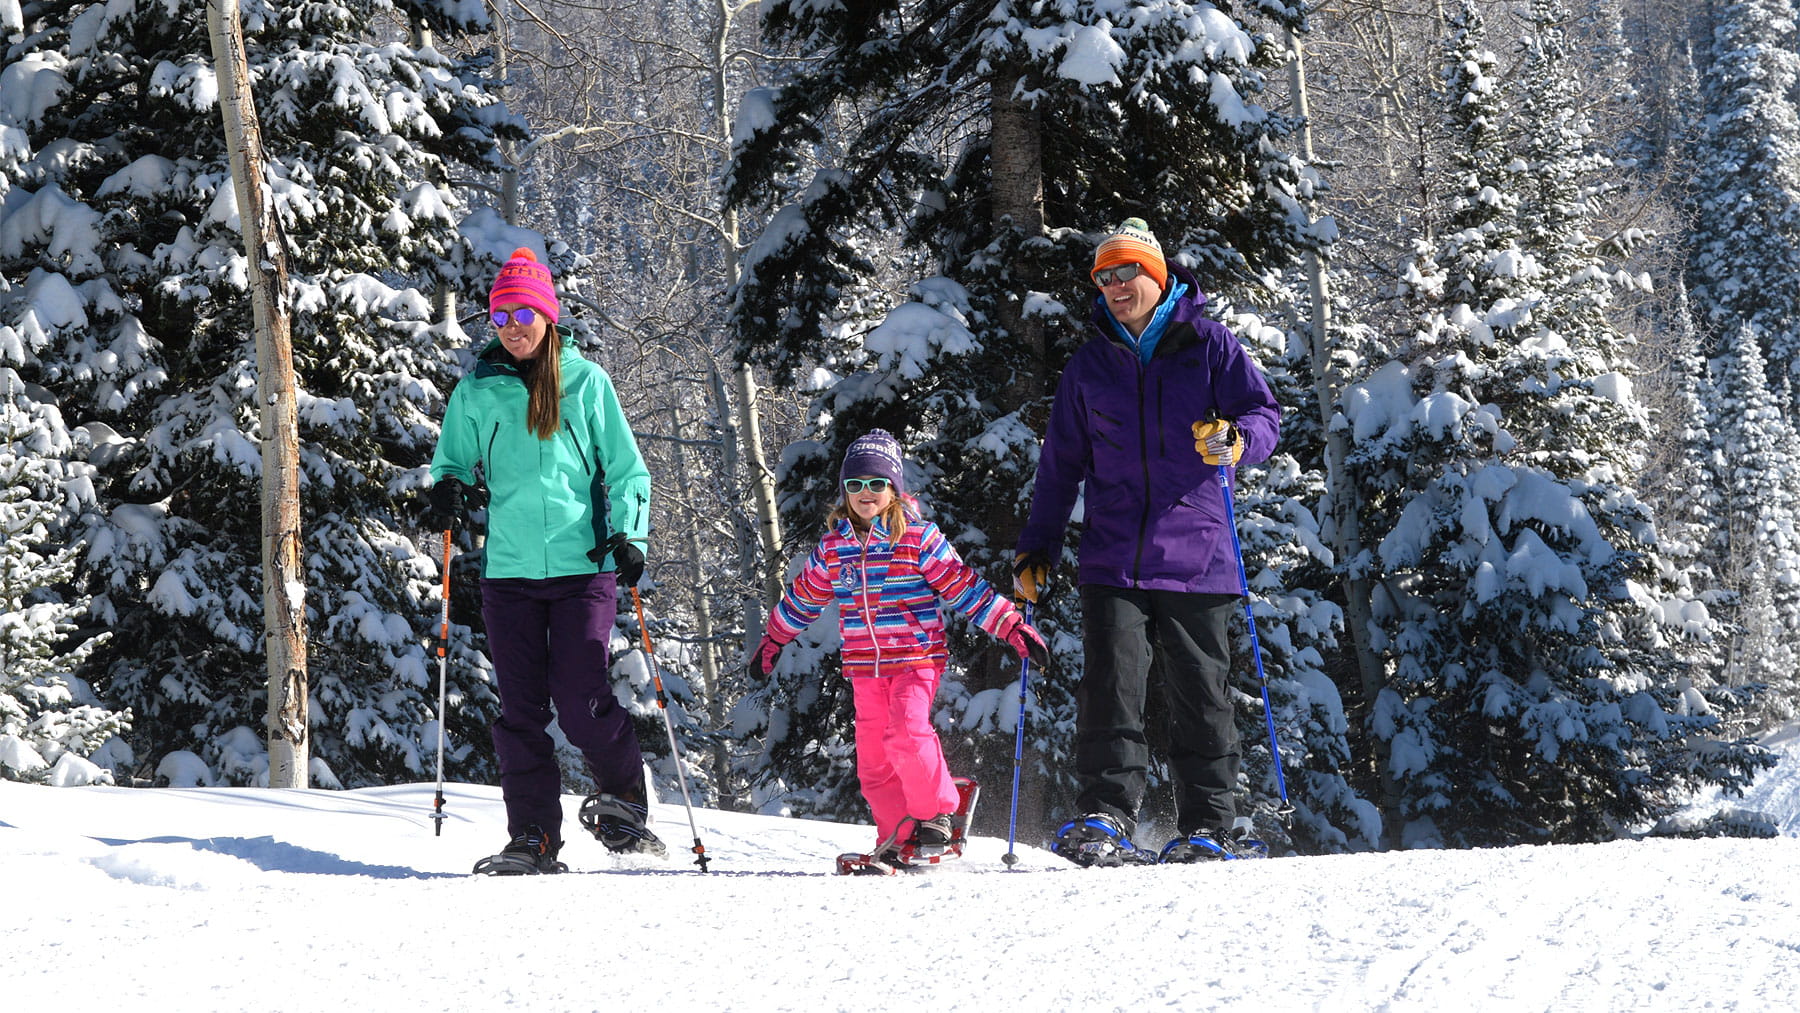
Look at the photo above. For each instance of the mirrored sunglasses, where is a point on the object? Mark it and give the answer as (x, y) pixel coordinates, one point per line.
(1113, 275)
(856, 485)
(522, 316)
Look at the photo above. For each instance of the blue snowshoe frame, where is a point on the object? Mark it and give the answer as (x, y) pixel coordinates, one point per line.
(1206, 849)
(1111, 848)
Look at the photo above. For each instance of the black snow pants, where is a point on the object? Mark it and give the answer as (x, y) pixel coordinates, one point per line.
(1186, 635)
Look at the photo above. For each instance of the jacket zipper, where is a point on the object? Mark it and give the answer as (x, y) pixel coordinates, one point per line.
(1137, 563)
(868, 616)
(1162, 431)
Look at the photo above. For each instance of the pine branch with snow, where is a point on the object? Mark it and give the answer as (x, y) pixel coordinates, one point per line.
(52, 728)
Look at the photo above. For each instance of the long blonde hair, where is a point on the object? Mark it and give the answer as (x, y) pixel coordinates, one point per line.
(894, 515)
(543, 412)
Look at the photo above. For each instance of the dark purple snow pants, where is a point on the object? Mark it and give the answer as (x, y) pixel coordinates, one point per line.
(548, 641)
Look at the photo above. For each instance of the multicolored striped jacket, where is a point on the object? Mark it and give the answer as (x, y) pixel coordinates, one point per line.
(889, 596)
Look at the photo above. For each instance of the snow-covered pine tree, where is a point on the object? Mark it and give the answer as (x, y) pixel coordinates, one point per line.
(1530, 699)
(1411, 478)
(132, 307)
(1688, 499)
(1754, 532)
(1598, 30)
(1744, 260)
(1592, 434)
(52, 728)
(995, 142)
(1669, 45)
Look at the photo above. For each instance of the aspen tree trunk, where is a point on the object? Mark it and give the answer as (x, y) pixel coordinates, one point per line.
(443, 298)
(700, 591)
(1017, 157)
(1341, 506)
(762, 477)
(736, 439)
(749, 433)
(284, 587)
(1016, 154)
(718, 707)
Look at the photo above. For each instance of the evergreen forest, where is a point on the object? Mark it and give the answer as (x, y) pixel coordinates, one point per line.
(1523, 274)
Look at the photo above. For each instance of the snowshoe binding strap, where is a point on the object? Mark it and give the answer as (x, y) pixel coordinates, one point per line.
(623, 826)
(1098, 841)
(531, 853)
(953, 831)
(504, 864)
(1192, 849)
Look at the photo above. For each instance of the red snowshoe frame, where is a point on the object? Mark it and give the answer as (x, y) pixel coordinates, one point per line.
(911, 856)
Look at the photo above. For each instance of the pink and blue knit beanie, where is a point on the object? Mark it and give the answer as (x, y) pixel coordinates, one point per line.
(525, 281)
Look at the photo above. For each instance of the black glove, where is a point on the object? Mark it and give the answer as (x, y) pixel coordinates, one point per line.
(444, 505)
(628, 558)
(475, 499)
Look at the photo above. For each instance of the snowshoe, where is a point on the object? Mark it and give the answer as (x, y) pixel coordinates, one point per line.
(912, 855)
(1098, 841)
(623, 826)
(532, 853)
(886, 862)
(1225, 843)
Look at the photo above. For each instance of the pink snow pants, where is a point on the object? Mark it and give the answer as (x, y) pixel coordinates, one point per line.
(898, 757)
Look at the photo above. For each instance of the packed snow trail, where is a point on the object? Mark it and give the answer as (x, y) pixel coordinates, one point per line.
(233, 899)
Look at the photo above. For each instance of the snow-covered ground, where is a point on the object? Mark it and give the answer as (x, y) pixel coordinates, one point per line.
(243, 899)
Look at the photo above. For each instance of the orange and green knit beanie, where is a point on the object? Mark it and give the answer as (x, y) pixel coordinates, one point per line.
(1133, 243)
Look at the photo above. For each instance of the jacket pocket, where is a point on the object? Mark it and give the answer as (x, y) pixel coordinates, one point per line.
(581, 453)
(1105, 429)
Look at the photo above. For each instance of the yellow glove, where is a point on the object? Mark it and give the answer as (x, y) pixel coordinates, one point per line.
(1031, 574)
(1215, 440)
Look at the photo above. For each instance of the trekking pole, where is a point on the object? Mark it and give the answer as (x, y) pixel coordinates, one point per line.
(662, 703)
(437, 805)
(1012, 818)
(1237, 550)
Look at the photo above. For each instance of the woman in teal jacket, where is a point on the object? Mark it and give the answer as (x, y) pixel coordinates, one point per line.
(568, 502)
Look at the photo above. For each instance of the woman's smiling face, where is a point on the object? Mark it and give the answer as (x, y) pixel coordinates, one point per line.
(522, 341)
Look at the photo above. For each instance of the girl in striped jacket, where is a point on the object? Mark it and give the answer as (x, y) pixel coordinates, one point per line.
(891, 573)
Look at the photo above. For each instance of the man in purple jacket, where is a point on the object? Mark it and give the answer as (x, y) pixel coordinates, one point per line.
(1145, 415)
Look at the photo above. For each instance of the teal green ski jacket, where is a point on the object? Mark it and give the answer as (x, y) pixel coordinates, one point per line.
(542, 494)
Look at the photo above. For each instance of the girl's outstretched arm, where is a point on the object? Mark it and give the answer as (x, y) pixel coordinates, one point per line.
(804, 600)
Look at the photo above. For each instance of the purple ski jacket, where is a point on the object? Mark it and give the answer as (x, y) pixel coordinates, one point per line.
(1155, 518)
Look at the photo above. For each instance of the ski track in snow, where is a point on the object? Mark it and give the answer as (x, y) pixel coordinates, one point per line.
(240, 899)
